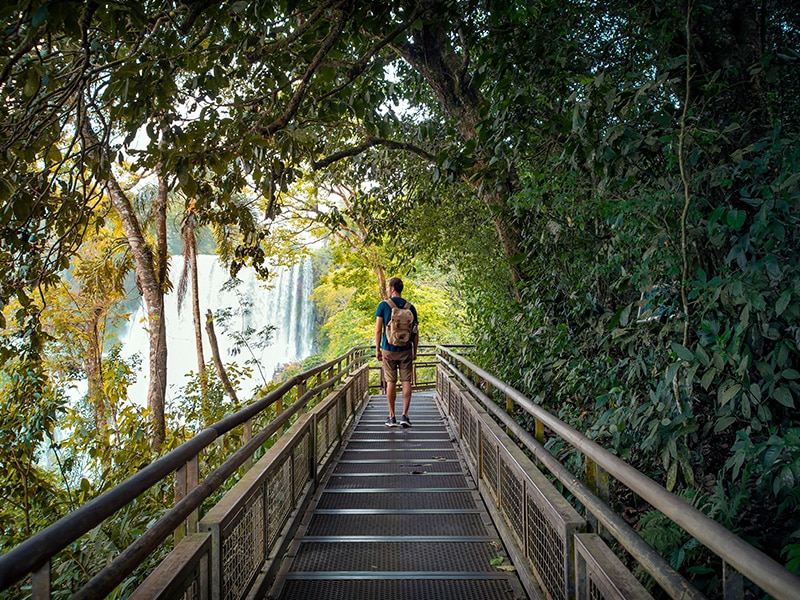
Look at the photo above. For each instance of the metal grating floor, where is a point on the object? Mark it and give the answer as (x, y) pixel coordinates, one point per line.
(398, 517)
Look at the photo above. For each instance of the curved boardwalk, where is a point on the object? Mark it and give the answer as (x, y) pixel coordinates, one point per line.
(398, 517)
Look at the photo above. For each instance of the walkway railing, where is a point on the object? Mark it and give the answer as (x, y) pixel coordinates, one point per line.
(207, 555)
(424, 373)
(559, 545)
(562, 549)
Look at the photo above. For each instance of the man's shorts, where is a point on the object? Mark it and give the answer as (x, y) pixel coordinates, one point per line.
(394, 360)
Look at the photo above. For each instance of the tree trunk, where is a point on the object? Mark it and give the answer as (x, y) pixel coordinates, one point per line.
(190, 257)
(94, 374)
(198, 323)
(431, 55)
(381, 274)
(189, 239)
(147, 280)
(223, 376)
(157, 390)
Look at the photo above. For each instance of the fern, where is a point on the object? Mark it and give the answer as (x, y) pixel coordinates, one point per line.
(727, 505)
(669, 539)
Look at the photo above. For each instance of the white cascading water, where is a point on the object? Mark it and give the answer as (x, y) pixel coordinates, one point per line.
(282, 303)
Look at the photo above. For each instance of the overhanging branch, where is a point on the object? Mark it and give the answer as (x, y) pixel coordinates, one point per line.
(294, 104)
(368, 143)
(365, 62)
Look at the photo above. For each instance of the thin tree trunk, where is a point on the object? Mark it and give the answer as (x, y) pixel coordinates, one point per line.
(223, 376)
(381, 281)
(157, 390)
(198, 323)
(94, 374)
(147, 280)
(190, 273)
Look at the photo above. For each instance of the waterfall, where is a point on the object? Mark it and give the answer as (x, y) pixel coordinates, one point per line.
(282, 303)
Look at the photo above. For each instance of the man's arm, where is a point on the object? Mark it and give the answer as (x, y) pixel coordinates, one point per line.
(415, 335)
(378, 336)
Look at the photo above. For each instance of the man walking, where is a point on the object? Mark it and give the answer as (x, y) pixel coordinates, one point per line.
(393, 323)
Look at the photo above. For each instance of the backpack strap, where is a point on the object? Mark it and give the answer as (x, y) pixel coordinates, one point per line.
(391, 303)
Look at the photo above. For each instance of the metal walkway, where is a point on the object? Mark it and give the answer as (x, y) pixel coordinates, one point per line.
(398, 517)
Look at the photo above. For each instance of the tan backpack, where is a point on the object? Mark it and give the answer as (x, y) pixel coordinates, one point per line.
(400, 327)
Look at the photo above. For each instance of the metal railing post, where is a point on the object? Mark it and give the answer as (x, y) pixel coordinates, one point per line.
(302, 388)
(597, 480)
(732, 583)
(313, 472)
(509, 410)
(279, 409)
(248, 435)
(41, 582)
(187, 478)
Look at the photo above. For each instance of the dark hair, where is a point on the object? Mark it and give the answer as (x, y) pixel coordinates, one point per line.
(396, 284)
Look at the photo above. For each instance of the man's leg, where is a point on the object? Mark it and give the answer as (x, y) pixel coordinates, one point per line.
(391, 396)
(389, 370)
(406, 377)
(406, 397)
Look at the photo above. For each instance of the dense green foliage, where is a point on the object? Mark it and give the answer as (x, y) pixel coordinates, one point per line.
(603, 196)
(660, 233)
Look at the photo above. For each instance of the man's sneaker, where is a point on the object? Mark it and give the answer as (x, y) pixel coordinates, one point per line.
(391, 422)
(404, 421)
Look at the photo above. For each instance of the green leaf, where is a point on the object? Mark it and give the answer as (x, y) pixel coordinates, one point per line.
(682, 352)
(784, 481)
(790, 374)
(783, 302)
(723, 423)
(672, 476)
(672, 370)
(40, 16)
(708, 378)
(32, 81)
(625, 315)
(783, 396)
(53, 156)
(725, 394)
(735, 218)
(702, 356)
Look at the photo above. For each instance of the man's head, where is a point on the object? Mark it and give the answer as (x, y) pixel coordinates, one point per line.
(396, 284)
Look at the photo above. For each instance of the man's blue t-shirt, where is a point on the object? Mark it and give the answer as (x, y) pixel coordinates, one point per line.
(385, 311)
